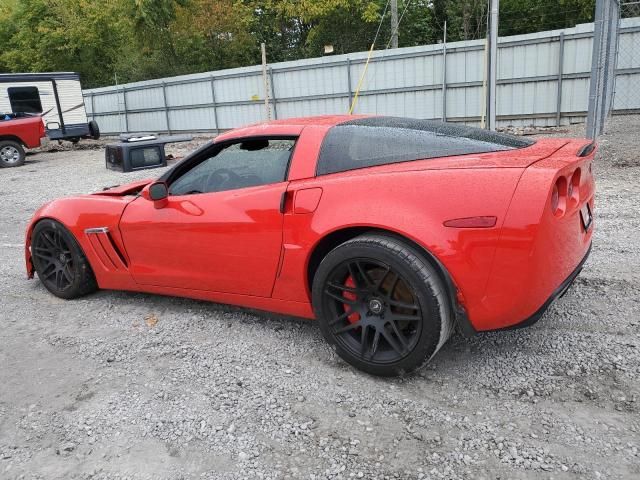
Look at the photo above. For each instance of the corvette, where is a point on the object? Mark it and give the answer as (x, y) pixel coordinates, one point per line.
(391, 232)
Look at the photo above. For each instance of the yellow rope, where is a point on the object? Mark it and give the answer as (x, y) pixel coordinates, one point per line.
(364, 72)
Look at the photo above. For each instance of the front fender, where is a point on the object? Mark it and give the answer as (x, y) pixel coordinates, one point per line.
(78, 214)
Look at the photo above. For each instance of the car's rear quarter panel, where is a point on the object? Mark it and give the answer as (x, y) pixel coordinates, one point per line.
(503, 274)
(411, 203)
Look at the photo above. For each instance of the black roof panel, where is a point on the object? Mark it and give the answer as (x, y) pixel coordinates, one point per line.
(372, 141)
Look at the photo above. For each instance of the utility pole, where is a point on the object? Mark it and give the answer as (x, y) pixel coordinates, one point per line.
(492, 71)
(265, 81)
(444, 73)
(394, 23)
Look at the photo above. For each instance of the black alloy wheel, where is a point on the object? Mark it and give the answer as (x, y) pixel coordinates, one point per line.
(59, 261)
(373, 311)
(53, 255)
(381, 304)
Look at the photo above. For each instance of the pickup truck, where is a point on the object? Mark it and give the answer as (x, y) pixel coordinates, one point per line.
(18, 131)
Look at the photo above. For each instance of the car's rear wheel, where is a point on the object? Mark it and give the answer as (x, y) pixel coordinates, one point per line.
(60, 262)
(381, 304)
(11, 154)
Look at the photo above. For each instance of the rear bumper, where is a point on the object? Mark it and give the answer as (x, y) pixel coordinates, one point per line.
(557, 293)
(539, 247)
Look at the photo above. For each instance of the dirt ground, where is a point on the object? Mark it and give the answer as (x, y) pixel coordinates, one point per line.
(133, 386)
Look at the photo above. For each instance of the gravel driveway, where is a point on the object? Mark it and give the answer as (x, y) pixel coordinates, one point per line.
(122, 385)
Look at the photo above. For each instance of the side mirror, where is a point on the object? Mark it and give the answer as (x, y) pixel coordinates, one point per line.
(158, 193)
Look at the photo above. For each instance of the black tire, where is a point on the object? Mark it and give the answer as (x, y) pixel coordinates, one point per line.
(379, 287)
(11, 154)
(60, 262)
(94, 130)
(74, 140)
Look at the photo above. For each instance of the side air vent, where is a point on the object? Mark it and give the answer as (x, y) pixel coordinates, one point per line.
(106, 250)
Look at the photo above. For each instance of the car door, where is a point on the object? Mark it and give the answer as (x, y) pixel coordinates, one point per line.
(221, 227)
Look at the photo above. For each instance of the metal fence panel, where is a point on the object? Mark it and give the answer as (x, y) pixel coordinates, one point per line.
(190, 94)
(231, 116)
(310, 82)
(193, 119)
(111, 123)
(237, 89)
(107, 102)
(305, 108)
(146, 121)
(147, 98)
(543, 79)
(575, 95)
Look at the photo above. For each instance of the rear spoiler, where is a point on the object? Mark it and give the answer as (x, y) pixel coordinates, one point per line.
(586, 149)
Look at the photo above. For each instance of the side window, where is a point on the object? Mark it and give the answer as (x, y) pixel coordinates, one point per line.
(245, 164)
(24, 99)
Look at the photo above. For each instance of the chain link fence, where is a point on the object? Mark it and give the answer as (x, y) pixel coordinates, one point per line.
(627, 79)
(615, 64)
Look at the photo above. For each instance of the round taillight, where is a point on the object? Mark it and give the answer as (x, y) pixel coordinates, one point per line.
(555, 198)
(559, 197)
(573, 189)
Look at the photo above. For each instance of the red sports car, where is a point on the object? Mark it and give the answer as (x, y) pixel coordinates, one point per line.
(391, 232)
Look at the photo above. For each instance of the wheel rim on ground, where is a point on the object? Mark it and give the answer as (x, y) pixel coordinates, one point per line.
(53, 260)
(9, 154)
(373, 311)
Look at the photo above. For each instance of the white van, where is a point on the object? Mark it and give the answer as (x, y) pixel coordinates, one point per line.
(56, 97)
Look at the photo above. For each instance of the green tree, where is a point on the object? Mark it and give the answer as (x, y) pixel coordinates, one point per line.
(142, 39)
(525, 16)
(69, 35)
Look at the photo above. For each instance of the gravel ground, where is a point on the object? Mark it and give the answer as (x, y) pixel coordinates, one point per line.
(122, 385)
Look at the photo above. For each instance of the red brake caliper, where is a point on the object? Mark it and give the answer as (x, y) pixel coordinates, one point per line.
(354, 317)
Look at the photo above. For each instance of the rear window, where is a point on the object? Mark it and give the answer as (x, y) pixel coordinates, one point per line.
(373, 141)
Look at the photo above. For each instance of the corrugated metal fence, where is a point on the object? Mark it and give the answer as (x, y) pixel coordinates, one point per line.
(543, 79)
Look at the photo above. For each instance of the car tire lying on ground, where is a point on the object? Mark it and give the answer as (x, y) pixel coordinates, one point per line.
(381, 304)
(60, 262)
(11, 154)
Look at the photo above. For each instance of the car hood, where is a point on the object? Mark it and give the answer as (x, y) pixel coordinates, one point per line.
(124, 190)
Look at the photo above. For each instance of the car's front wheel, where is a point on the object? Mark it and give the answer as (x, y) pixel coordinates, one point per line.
(381, 304)
(60, 262)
